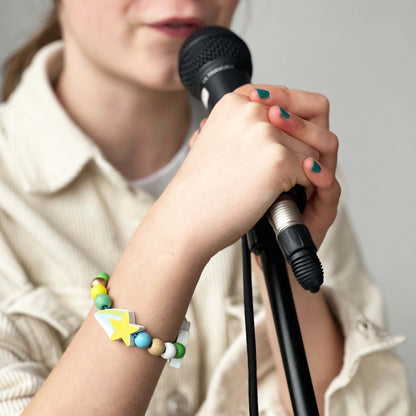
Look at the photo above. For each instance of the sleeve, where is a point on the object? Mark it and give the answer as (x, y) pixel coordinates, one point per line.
(373, 379)
(33, 327)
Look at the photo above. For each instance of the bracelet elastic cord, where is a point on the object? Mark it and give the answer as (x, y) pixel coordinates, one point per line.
(119, 324)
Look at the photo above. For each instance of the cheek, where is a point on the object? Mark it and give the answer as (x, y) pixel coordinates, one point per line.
(88, 20)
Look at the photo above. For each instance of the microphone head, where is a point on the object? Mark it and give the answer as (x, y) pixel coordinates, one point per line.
(207, 49)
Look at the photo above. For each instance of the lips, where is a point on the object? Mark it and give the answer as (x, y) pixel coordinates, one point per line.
(178, 27)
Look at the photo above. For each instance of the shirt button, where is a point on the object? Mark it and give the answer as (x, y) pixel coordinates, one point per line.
(177, 405)
(363, 327)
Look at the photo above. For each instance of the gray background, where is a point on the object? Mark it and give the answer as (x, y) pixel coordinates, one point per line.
(361, 55)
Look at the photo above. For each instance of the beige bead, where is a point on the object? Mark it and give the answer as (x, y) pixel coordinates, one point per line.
(98, 281)
(157, 348)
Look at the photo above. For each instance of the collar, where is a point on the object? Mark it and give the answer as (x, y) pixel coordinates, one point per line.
(47, 146)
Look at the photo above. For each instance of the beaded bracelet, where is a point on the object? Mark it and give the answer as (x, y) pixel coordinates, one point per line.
(120, 324)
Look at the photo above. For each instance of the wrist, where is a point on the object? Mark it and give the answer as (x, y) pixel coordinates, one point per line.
(157, 273)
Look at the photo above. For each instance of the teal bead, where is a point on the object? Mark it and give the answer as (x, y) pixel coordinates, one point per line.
(142, 339)
(104, 276)
(180, 350)
(103, 301)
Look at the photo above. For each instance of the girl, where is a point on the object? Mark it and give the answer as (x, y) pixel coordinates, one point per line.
(97, 128)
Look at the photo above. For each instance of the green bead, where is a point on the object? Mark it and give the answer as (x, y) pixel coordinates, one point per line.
(104, 276)
(180, 350)
(103, 301)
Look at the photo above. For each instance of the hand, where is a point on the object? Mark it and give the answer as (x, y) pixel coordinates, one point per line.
(308, 122)
(236, 169)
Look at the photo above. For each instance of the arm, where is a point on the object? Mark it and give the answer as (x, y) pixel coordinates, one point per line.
(189, 223)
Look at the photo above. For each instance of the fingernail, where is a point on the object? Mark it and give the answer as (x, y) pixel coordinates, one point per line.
(263, 93)
(316, 167)
(284, 113)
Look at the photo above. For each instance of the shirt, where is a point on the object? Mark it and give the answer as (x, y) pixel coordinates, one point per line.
(66, 214)
(157, 182)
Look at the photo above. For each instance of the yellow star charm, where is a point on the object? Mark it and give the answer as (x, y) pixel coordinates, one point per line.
(123, 329)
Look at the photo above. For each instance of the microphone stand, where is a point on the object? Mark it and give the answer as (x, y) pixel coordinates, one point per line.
(262, 242)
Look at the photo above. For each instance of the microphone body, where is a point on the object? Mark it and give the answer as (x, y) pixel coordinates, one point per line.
(213, 62)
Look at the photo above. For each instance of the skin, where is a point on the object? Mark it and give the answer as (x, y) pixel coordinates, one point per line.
(118, 82)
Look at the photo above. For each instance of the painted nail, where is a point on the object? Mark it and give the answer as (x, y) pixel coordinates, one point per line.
(284, 113)
(316, 167)
(263, 93)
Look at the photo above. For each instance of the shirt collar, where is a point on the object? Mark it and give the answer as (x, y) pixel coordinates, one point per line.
(49, 148)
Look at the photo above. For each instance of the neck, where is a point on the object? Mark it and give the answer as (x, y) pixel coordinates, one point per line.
(138, 129)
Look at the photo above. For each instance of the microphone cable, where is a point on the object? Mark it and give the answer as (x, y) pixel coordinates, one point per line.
(250, 331)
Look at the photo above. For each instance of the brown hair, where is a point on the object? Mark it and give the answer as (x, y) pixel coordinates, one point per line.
(21, 59)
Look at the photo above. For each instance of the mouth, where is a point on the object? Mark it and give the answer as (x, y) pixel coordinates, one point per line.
(178, 27)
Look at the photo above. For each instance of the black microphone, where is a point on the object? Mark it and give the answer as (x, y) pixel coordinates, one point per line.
(214, 61)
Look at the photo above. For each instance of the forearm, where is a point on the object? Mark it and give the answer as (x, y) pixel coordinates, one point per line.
(155, 278)
(322, 338)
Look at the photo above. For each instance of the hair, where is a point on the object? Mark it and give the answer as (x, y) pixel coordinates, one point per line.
(20, 60)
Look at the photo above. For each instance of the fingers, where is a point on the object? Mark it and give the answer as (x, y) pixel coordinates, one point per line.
(301, 115)
(321, 209)
(286, 139)
(308, 105)
(310, 133)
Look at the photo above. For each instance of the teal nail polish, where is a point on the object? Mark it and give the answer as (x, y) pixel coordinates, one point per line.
(315, 167)
(284, 113)
(263, 93)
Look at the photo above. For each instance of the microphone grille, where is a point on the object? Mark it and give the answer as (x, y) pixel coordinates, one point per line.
(209, 44)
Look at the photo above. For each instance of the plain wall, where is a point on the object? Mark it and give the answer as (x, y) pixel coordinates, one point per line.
(361, 55)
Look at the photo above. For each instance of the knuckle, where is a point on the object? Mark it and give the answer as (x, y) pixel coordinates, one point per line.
(283, 158)
(230, 98)
(337, 189)
(255, 111)
(323, 103)
(333, 144)
(283, 94)
(265, 129)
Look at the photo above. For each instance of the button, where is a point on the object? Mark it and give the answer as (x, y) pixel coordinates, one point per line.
(177, 404)
(363, 327)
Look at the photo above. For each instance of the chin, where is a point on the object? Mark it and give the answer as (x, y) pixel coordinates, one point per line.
(162, 80)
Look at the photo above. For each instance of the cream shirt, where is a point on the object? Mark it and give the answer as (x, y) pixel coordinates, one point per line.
(67, 214)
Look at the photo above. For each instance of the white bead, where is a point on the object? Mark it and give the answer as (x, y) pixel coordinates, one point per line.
(170, 351)
(183, 337)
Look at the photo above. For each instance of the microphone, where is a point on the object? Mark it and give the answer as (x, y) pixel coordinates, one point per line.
(214, 61)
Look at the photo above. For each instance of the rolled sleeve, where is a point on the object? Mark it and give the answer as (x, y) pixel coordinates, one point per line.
(21, 375)
(33, 331)
(372, 380)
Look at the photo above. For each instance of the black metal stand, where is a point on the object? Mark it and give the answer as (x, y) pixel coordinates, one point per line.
(262, 241)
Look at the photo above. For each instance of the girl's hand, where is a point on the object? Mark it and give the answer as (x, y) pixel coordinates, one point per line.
(236, 169)
(306, 118)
